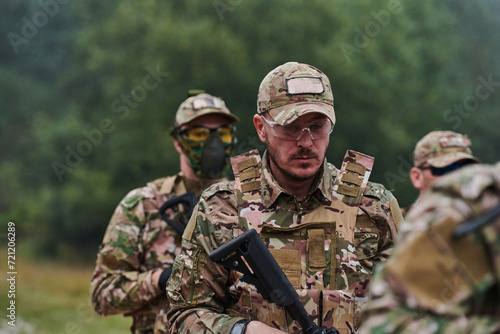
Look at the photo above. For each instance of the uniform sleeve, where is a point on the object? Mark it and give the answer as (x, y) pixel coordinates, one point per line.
(118, 285)
(391, 310)
(198, 288)
(425, 287)
(382, 209)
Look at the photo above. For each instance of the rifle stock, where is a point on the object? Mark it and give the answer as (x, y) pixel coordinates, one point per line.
(266, 275)
(187, 201)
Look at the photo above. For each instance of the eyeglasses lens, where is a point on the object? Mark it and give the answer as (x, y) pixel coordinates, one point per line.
(294, 131)
(200, 133)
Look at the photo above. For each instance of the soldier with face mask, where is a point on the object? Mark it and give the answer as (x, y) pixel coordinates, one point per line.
(144, 235)
(204, 138)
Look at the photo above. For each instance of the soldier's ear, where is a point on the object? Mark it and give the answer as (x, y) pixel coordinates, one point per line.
(417, 178)
(259, 126)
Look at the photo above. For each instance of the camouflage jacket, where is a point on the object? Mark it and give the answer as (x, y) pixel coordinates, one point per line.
(433, 282)
(137, 243)
(206, 297)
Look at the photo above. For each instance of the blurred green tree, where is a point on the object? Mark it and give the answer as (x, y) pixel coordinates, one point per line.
(90, 97)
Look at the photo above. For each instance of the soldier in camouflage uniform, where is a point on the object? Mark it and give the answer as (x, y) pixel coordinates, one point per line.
(436, 154)
(139, 247)
(437, 281)
(326, 227)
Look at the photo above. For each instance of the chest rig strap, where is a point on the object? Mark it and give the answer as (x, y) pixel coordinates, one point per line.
(353, 176)
(246, 168)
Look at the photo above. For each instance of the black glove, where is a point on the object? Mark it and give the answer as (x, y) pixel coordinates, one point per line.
(331, 330)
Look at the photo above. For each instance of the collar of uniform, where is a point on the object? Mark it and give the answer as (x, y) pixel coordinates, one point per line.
(325, 184)
(196, 186)
(270, 189)
(168, 185)
(178, 185)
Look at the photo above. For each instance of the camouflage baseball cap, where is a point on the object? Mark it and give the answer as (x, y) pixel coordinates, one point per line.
(442, 148)
(199, 105)
(292, 90)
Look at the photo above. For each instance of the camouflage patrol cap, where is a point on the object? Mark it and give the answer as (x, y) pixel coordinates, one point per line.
(442, 148)
(199, 105)
(292, 90)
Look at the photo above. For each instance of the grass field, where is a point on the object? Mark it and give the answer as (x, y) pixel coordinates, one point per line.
(53, 298)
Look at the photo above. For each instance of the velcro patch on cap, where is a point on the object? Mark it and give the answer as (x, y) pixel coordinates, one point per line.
(305, 85)
(454, 141)
(207, 102)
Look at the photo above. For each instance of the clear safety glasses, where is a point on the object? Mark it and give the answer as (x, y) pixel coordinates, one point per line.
(294, 131)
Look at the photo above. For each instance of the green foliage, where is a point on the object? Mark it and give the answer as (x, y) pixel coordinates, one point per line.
(91, 97)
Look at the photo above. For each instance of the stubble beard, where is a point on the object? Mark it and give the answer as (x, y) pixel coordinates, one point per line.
(273, 154)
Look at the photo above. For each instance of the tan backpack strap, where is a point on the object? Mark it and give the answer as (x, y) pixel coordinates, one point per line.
(353, 176)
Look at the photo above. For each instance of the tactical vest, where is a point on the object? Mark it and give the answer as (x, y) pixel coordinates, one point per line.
(319, 251)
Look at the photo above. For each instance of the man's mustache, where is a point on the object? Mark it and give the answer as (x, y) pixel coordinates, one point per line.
(304, 153)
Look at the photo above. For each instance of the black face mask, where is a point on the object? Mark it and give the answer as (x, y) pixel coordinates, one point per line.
(208, 158)
(213, 158)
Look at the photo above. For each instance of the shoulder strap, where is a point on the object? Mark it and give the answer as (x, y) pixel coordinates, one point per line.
(183, 201)
(246, 168)
(351, 181)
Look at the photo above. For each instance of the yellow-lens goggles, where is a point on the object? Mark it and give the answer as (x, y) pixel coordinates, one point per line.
(200, 133)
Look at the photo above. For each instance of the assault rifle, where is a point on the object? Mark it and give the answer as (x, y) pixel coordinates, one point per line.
(266, 275)
(187, 201)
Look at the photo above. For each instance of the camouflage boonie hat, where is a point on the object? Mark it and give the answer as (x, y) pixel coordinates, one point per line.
(199, 105)
(442, 148)
(292, 90)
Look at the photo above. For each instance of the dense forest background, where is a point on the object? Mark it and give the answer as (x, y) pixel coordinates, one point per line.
(89, 90)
